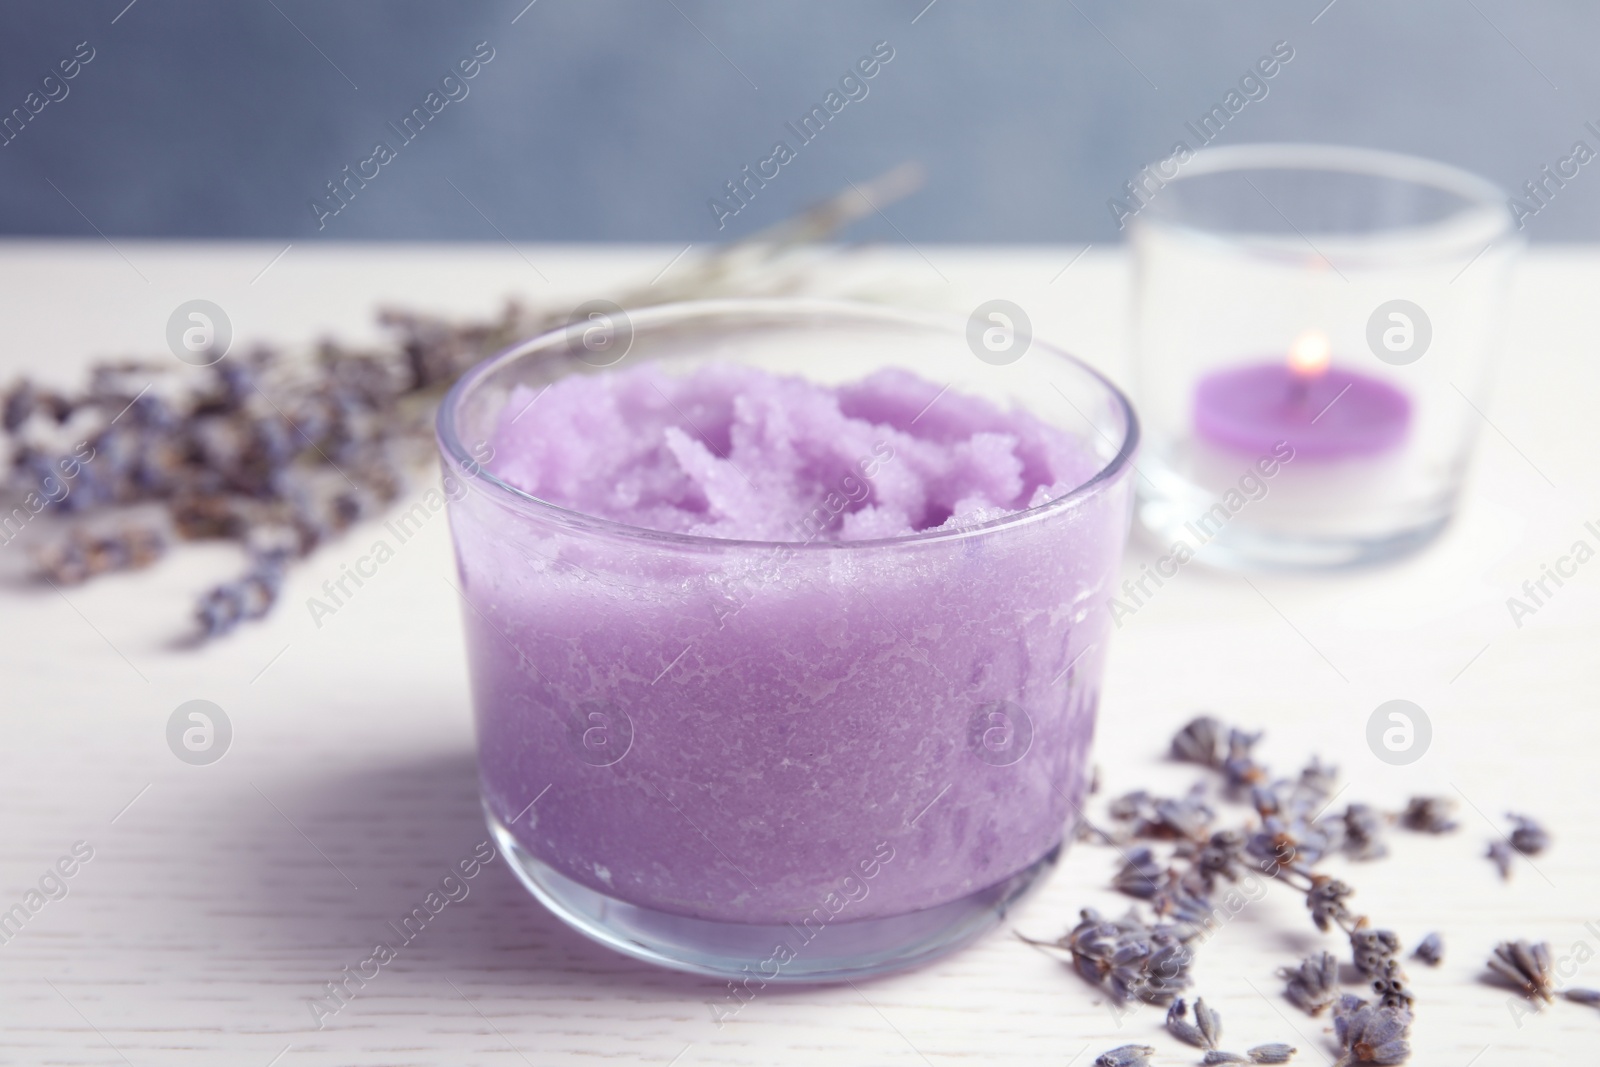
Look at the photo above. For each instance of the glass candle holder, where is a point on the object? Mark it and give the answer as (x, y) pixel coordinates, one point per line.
(1314, 332)
(786, 761)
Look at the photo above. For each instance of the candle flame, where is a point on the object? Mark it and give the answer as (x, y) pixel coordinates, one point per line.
(1310, 354)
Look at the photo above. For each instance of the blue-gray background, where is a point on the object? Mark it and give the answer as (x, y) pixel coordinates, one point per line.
(619, 119)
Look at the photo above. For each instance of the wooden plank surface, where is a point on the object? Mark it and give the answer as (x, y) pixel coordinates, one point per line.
(220, 899)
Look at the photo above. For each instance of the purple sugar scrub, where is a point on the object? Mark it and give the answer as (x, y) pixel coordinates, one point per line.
(764, 658)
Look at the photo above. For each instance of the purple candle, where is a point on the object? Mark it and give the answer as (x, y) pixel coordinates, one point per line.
(1323, 412)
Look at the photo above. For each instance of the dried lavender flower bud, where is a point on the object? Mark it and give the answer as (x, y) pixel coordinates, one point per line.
(1240, 767)
(1319, 779)
(1129, 806)
(1527, 836)
(1216, 1056)
(1590, 997)
(19, 405)
(1326, 899)
(1179, 1026)
(1370, 1033)
(1221, 856)
(1390, 985)
(1430, 950)
(1314, 984)
(1185, 818)
(1140, 874)
(1524, 966)
(1209, 1021)
(1126, 1056)
(1371, 949)
(1266, 801)
(1276, 1052)
(1363, 832)
(1429, 815)
(1129, 957)
(1500, 853)
(1199, 742)
(1184, 902)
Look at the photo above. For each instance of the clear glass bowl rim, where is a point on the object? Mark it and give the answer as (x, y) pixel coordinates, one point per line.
(841, 312)
(1477, 193)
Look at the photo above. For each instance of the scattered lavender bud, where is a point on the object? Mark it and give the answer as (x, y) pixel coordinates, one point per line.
(1524, 966)
(1276, 1052)
(1164, 818)
(1240, 767)
(1314, 984)
(1319, 779)
(1199, 742)
(1590, 997)
(1430, 950)
(1126, 1056)
(1363, 833)
(1184, 903)
(1371, 949)
(1216, 1056)
(1500, 853)
(1370, 1033)
(1131, 959)
(19, 405)
(1390, 985)
(1223, 855)
(1325, 899)
(1181, 1028)
(1140, 875)
(1209, 1021)
(1527, 836)
(1429, 815)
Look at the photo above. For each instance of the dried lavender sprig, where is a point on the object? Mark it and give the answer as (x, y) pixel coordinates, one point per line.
(1314, 984)
(1591, 997)
(1430, 950)
(246, 442)
(1525, 966)
(1126, 1056)
(1371, 1033)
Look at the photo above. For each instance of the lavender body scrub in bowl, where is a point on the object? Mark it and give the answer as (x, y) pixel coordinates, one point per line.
(785, 626)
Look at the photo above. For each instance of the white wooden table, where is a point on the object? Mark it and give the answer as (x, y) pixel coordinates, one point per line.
(221, 898)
